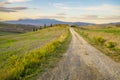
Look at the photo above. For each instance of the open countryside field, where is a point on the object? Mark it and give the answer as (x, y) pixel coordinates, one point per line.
(22, 54)
(2, 33)
(60, 53)
(15, 28)
(105, 38)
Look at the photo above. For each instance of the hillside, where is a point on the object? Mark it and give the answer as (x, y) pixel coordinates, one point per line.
(41, 22)
(21, 55)
(16, 28)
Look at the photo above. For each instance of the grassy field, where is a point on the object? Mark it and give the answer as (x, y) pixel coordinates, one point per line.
(106, 39)
(16, 28)
(23, 56)
(7, 33)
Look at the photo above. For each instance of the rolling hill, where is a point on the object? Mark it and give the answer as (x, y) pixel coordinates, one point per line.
(41, 22)
(16, 28)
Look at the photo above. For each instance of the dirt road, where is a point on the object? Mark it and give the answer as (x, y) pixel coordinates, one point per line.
(83, 62)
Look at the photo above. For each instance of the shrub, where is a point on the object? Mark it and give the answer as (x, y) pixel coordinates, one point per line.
(110, 44)
(84, 34)
(99, 40)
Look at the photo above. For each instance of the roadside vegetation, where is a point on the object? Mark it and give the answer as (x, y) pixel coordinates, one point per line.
(106, 38)
(24, 56)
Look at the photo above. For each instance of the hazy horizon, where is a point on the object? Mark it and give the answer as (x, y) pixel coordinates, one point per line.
(92, 11)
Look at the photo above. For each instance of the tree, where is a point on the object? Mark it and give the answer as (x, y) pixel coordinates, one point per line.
(34, 29)
(45, 26)
(73, 25)
(40, 27)
(51, 25)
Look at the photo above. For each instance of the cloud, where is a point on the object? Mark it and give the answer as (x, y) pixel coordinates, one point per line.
(98, 14)
(104, 7)
(19, 8)
(12, 9)
(12, 1)
(4, 3)
(90, 17)
(97, 17)
(61, 14)
(61, 6)
(53, 17)
(3, 7)
(113, 17)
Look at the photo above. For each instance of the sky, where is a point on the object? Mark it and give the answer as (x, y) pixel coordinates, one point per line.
(93, 11)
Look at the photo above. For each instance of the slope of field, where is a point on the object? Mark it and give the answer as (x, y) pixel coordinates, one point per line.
(106, 38)
(2, 33)
(20, 53)
(16, 28)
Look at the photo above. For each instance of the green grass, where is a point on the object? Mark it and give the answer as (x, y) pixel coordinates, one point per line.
(104, 38)
(115, 31)
(21, 43)
(22, 54)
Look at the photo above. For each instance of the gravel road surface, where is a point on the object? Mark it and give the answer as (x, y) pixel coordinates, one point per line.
(83, 62)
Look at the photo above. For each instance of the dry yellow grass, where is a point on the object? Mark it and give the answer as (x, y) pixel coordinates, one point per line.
(107, 39)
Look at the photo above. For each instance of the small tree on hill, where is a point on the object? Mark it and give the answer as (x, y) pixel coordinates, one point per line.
(51, 25)
(34, 29)
(45, 26)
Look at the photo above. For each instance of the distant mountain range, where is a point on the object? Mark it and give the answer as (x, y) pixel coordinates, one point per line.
(115, 23)
(41, 22)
